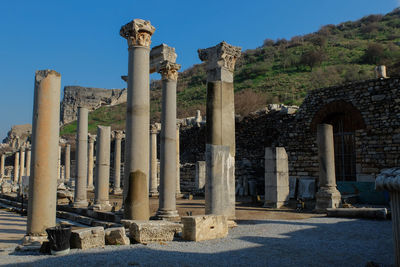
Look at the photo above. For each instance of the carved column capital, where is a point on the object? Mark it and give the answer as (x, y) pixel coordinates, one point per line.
(153, 129)
(119, 135)
(91, 138)
(137, 32)
(169, 70)
(220, 60)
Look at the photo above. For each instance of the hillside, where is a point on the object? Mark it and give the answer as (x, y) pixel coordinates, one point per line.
(283, 71)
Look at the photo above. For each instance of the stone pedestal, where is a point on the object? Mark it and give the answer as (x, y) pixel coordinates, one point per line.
(28, 162)
(200, 178)
(90, 165)
(168, 153)
(16, 168)
(389, 180)
(220, 131)
(153, 161)
(67, 158)
(45, 137)
(327, 196)
(80, 200)
(276, 177)
(136, 167)
(204, 227)
(117, 162)
(101, 201)
(21, 164)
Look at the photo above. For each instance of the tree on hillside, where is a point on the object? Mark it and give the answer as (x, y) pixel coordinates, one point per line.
(312, 58)
(374, 53)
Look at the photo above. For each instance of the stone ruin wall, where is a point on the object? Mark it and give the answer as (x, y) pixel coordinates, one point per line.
(377, 144)
(91, 98)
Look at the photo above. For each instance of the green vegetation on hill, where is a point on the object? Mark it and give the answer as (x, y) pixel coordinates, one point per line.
(283, 71)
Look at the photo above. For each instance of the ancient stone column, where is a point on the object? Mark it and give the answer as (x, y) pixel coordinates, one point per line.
(59, 163)
(178, 166)
(389, 180)
(28, 162)
(80, 199)
(136, 192)
(45, 137)
(327, 196)
(220, 130)
(168, 154)
(153, 161)
(67, 159)
(92, 139)
(101, 201)
(21, 163)
(276, 177)
(117, 162)
(2, 165)
(16, 168)
(200, 177)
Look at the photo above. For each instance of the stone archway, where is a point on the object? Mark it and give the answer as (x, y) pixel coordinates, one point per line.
(345, 119)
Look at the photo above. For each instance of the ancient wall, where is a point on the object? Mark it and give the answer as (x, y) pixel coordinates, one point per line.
(91, 98)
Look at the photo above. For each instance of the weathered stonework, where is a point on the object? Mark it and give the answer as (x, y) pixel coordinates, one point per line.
(204, 227)
(116, 236)
(87, 238)
(153, 231)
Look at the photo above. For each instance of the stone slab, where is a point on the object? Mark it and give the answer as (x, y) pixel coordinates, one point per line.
(204, 227)
(364, 213)
(87, 238)
(116, 236)
(153, 231)
(306, 188)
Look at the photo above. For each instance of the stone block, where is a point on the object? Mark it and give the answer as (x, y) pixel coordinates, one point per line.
(153, 231)
(204, 227)
(87, 238)
(116, 236)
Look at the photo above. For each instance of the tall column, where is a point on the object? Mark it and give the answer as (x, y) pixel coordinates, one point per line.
(21, 163)
(92, 139)
(136, 193)
(16, 168)
(153, 161)
(28, 162)
(389, 180)
(101, 201)
(220, 131)
(45, 137)
(327, 196)
(168, 155)
(67, 159)
(117, 162)
(80, 199)
(59, 163)
(178, 165)
(2, 165)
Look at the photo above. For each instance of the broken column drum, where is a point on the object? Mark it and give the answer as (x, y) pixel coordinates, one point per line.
(45, 137)
(101, 201)
(327, 196)
(168, 166)
(92, 139)
(220, 129)
(67, 159)
(16, 167)
(117, 162)
(136, 193)
(80, 199)
(153, 161)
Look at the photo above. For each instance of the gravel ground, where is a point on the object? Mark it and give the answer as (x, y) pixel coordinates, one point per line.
(309, 242)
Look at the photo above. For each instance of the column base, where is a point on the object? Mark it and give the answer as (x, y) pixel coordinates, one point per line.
(116, 191)
(80, 204)
(179, 195)
(31, 242)
(327, 197)
(101, 206)
(168, 215)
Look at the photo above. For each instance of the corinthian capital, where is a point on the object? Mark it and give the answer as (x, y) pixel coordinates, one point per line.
(220, 61)
(169, 70)
(118, 134)
(92, 138)
(137, 32)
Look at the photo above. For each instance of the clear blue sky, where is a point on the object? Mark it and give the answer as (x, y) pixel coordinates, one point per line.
(80, 39)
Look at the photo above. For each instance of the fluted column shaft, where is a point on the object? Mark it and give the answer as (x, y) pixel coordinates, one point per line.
(28, 162)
